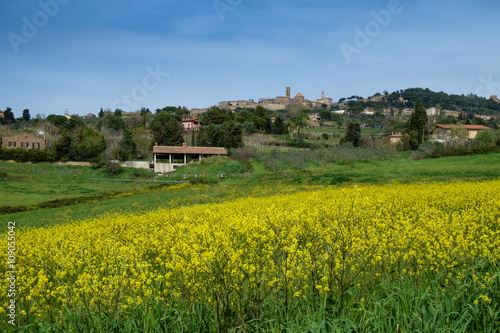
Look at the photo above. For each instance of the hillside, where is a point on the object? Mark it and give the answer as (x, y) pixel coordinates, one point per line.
(469, 103)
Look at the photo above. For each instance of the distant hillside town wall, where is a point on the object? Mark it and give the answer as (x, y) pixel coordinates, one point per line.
(196, 112)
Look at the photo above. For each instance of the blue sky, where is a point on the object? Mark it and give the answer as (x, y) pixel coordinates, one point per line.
(84, 55)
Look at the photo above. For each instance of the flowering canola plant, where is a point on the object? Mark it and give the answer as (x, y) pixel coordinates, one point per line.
(249, 252)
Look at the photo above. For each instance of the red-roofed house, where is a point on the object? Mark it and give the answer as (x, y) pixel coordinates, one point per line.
(443, 131)
(190, 123)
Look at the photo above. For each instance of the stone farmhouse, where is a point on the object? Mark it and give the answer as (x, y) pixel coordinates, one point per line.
(455, 114)
(484, 117)
(432, 111)
(23, 140)
(395, 138)
(369, 112)
(442, 132)
(169, 158)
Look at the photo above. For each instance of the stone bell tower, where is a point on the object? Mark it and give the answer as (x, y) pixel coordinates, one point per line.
(287, 92)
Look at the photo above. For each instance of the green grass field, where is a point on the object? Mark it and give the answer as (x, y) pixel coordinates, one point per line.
(31, 184)
(240, 180)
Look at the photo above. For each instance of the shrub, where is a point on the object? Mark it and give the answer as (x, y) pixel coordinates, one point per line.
(113, 167)
(241, 154)
(22, 155)
(485, 138)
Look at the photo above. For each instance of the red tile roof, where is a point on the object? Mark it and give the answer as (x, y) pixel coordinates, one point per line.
(189, 150)
(467, 127)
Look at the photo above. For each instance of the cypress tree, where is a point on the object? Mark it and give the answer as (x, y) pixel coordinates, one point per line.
(26, 114)
(8, 116)
(353, 134)
(417, 126)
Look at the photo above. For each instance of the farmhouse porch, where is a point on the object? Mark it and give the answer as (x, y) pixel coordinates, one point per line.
(169, 158)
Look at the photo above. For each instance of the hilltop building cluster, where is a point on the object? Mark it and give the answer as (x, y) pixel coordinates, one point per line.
(278, 103)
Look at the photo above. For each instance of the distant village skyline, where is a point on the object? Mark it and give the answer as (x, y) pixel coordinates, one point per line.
(272, 104)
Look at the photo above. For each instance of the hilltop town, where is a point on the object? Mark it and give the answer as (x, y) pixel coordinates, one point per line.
(382, 120)
(279, 103)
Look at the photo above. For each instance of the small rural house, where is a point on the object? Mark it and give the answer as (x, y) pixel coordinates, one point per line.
(190, 124)
(23, 140)
(395, 138)
(443, 131)
(169, 158)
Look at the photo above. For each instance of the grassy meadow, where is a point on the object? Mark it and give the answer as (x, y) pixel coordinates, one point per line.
(250, 178)
(286, 241)
(31, 184)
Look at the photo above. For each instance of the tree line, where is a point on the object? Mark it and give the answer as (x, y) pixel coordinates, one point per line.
(469, 103)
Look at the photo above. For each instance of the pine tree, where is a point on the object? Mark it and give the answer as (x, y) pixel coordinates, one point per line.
(167, 129)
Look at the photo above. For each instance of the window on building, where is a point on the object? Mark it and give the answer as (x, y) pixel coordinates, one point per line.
(24, 144)
(12, 143)
(36, 145)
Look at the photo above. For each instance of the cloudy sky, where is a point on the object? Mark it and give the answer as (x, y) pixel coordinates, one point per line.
(84, 55)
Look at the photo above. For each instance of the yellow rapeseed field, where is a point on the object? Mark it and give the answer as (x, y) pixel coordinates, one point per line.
(256, 250)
